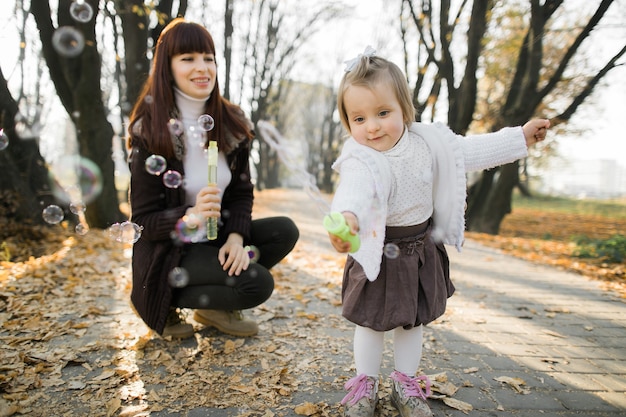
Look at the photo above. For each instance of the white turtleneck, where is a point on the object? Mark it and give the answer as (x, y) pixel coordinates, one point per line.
(195, 160)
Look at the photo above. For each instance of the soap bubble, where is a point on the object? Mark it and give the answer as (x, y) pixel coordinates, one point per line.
(77, 207)
(82, 229)
(115, 232)
(206, 122)
(272, 137)
(391, 250)
(196, 137)
(176, 127)
(125, 232)
(4, 140)
(204, 300)
(81, 11)
(52, 214)
(130, 232)
(253, 253)
(190, 228)
(68, 41)
(172, 179)
(178, 277)
(155, 164)
(76, 179)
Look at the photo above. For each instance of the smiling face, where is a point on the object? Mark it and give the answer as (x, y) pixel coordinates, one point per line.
(194, 73)
(374, 115)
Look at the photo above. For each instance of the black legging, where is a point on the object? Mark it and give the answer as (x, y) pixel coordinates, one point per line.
(210, 287)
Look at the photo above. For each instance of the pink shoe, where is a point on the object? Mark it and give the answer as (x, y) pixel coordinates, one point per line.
(362, 396)
(408, 397)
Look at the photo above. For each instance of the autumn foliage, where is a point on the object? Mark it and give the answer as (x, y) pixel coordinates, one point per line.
(564, 240)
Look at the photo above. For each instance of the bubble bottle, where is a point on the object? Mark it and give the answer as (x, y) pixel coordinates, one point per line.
(211, 223)
(336, 225)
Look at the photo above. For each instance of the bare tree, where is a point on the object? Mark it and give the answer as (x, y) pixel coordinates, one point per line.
(531, 82)
(77, 82)
(272, 40)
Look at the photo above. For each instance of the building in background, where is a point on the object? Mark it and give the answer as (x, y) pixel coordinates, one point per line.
(582, 178)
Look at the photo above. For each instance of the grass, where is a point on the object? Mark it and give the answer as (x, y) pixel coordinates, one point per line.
(613, 209)
(559, 231)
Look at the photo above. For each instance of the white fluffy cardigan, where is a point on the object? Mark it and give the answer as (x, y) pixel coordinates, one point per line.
(366, 183)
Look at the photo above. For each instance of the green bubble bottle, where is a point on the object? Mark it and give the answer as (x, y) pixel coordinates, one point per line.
(336, 225)
(211, 223)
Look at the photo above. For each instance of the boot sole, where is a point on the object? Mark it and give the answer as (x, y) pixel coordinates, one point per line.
(201, 319)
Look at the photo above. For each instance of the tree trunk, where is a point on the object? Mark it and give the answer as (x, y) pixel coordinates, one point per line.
(135, 31)
(490, 201)
(77, 81)
(228, 46)
(24, 187)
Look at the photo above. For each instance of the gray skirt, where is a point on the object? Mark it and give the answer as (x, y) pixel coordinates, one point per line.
(412, 287)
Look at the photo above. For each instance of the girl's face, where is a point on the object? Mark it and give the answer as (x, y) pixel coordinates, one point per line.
(374, 116)
(194, 73)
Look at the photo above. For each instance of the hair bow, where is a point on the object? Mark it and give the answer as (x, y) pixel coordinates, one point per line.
(369, 52)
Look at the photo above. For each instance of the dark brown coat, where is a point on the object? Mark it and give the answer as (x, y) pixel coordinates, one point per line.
(157, 208)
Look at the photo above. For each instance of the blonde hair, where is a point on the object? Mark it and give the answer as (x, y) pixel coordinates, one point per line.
(371, 71)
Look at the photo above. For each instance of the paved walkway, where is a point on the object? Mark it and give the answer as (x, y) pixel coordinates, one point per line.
(518, 339)
(521, 339)
(558, 332)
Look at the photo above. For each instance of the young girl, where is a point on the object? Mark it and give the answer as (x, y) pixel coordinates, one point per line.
(402, 189)
(168, 123)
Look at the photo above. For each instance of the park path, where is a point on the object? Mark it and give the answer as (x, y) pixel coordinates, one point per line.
(518, 339)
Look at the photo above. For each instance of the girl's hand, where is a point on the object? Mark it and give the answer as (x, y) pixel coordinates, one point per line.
(535, 130)
(233, 256)
(339, 244)
(207, 203)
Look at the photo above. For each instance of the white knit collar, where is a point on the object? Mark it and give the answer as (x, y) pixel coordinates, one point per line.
(189, 106)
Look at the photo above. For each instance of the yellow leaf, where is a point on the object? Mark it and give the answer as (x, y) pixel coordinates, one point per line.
(306, 409)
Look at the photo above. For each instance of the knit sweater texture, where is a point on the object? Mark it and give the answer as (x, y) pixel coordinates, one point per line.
(368, 184)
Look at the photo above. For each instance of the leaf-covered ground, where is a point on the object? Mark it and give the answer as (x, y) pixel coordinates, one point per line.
(547, 237)
(70, 342)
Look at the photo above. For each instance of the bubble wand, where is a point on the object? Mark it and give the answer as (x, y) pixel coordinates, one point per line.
(211, 223)
(334, 222)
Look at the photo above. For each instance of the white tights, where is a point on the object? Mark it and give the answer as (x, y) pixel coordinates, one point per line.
(369, 345)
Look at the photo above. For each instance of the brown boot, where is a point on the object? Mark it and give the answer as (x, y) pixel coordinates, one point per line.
(176, 327)
(230, 322)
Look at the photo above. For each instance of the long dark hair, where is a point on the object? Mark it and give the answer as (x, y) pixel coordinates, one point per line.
(156, 101)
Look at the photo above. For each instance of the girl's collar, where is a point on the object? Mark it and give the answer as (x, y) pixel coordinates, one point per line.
(395, 146)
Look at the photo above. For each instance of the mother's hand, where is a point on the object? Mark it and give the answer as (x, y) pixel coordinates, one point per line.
(208, 203)
(233, 256)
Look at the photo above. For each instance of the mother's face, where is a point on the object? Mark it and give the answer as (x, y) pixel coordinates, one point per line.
(194, 73)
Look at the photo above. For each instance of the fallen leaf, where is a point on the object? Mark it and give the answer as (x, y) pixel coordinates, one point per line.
(113, 406)
(458, 404)
(306, 409)
(107, 373)
(515, 383)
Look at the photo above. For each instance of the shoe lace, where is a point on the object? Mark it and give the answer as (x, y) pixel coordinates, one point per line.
(411, 385)
(175, 316)
(359, 386)
(237, 314)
